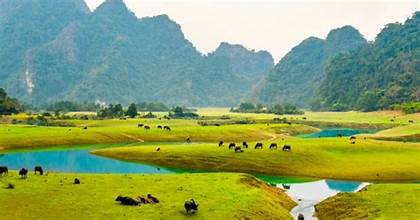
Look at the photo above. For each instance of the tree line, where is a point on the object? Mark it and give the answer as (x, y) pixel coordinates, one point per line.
(278, 109)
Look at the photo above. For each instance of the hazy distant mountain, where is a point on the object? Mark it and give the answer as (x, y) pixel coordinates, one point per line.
(58, 49)
(377, 75)
(296, 78)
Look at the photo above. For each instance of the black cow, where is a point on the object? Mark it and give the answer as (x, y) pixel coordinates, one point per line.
(125, 200)
(39, 169)
(301, 217)
(220, 143)
(352, 142)
(140, 125)
(143, 200)
(273, 146)
(238, 150)
(258, 145)
(158, 149)
(147, 127)
(4, 170)
(23, 172)
(189, 140)
(190, 206)
(167, 128)
(85, 128)
(159, 126)
(410, 121)
(152, 198)
(352, 138)
(217, 125)
(232, 145)
(244, 144)
(304, 118)
(287, 147)
(392, 120)
(76, 181)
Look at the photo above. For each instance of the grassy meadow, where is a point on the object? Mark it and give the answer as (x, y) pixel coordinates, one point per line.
(378, 201)
(54, 196)
(332, 158)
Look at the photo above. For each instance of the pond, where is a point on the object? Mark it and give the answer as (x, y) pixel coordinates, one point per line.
(306, 192)
(334, 132)
(310, 193)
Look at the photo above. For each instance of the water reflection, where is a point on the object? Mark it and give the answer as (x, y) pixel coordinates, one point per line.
(310, 193)
(74, 161)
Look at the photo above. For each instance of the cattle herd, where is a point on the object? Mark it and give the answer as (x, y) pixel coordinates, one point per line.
(22, 172)
(258, 145)
(147, 127)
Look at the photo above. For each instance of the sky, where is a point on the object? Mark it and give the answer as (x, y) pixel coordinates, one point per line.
(272, 25)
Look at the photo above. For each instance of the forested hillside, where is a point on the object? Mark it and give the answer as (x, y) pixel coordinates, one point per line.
(59, 50)
(296, 78)
(377, 75)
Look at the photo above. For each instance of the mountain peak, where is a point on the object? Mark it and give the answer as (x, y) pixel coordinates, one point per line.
(343, 33)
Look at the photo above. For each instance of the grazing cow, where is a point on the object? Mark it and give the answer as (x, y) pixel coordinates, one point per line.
(23, 172)
(190, 206)
(352, 138)
(301, 217)
(304, 118)
(147, 127)
(4, 170)
(143, 200)
(353, 142)
(410, 121)
(152, 198)
(220, 143)
(286, 186)
(39, 169)
(159, 126)
(244, 144)
(76, 181)
(125, 200)
(273, 146)
(232, 145)
(287, 147)
(140, 125)
(189, 140)
(289, 123)
(167, 128)
(217, 125)
(85, 128)
(392, 120)
(158, 149)
(258, 145)
(238, 150)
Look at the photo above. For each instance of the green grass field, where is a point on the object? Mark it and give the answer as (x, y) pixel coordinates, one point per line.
(25, 136)
(389, 155)
(221, 196)
(378, 201)
(334, 158)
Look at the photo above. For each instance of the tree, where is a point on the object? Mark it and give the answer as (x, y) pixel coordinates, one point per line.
(8, 105)
(132, 111)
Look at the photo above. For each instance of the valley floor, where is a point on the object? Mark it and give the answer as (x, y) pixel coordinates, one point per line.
(389, 154)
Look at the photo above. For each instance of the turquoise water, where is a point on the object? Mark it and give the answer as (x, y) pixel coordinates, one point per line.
(74, 161)
(333, 133)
